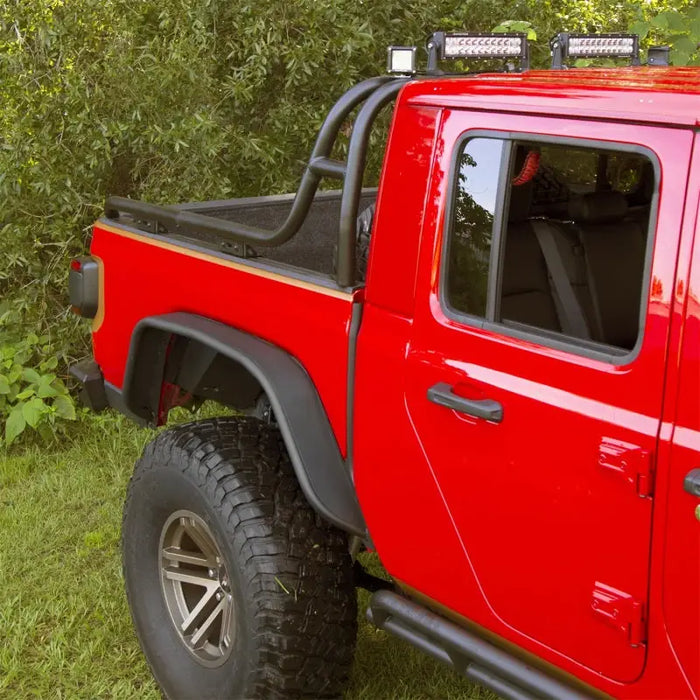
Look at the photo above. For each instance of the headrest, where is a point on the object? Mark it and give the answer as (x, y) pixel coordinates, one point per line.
(520, 202)
(598, 207)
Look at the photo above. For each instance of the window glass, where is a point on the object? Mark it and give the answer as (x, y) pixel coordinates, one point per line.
(478, 172)
(570, 241)
(625, 171)
(576, 167)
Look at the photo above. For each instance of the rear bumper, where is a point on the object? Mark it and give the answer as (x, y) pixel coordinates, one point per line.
(97, 394)
(92, 393)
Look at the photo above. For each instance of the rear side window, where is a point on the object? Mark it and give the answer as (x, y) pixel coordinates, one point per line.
(551, 239)
(473, 223)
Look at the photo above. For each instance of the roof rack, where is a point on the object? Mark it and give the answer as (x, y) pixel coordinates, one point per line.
(446, 46)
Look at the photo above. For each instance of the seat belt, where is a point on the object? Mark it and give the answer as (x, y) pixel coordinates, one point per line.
(573, 321)
(597, 316)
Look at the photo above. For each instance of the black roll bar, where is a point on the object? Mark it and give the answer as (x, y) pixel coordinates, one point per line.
(352, 187)
(377, 92)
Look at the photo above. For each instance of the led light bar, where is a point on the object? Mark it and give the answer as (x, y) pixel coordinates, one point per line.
(456, 45)
(463, 45)
(565, 45)
(601, 46)
(401, 60)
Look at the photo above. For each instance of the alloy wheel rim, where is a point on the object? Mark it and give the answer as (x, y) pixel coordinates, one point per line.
(197, 588)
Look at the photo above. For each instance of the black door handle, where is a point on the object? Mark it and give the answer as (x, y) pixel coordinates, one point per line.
(442, 395)
(691, 483)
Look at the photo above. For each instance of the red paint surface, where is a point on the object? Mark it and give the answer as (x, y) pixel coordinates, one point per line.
(676, 571)
(655, 95)
(512, 526)
(142, 280)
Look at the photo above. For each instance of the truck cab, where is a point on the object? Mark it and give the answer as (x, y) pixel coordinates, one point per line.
(503, 405)
(542, 482)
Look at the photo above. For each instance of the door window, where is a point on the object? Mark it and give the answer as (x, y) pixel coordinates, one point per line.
(551, 239)
(478, 174)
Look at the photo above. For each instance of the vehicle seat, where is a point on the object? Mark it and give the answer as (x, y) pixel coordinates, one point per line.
(615, 249)
(526, 295)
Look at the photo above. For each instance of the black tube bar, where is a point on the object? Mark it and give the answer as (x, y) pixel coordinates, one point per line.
(461, 648)
(179, 220)
(352, 187)
(327, 167)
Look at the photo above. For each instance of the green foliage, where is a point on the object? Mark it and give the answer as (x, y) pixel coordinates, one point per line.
(31, 395)
(515, 25)
(678, 28)
(174, 100)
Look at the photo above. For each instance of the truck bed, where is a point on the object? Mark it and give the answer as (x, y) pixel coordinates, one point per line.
(286, 296)
(313, 246)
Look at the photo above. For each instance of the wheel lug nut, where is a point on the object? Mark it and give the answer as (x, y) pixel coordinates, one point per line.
(212, 573)
(219, 595)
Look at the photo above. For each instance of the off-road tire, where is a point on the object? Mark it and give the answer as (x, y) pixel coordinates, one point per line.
(290, 572)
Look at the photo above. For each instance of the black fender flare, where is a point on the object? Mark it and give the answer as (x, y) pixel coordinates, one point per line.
(313, 450)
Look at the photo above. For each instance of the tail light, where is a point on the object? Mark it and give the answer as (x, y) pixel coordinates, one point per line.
(84, 286)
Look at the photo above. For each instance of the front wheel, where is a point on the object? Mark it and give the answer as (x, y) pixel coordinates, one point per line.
(237, 588)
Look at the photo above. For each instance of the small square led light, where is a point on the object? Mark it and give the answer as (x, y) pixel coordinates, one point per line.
(401, 60)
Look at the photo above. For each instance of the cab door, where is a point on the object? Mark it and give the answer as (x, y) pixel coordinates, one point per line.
(542, 444)
(681, 517)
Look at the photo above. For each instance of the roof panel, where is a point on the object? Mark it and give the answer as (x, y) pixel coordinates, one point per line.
(656, 95)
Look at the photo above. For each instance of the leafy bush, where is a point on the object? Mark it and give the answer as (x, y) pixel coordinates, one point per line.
(31, 395)
(679, 29)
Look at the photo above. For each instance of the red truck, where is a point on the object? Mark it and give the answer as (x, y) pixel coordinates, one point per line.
(490, 379)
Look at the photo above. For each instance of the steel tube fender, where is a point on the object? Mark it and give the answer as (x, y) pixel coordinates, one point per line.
(313, 450)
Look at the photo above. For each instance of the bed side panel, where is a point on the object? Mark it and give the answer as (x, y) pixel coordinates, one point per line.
(145, 275)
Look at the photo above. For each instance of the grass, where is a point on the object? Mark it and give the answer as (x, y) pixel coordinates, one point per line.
(64, 623)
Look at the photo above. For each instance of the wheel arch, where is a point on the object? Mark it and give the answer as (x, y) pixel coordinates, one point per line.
(184, 349)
